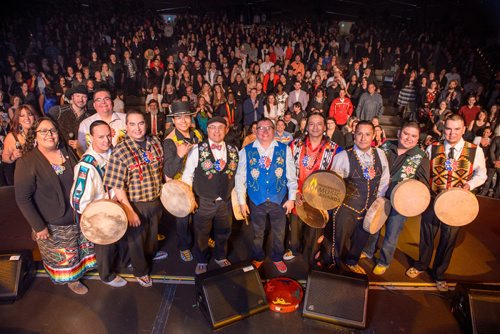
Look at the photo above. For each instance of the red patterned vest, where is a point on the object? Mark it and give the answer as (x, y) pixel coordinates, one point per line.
(446, 173)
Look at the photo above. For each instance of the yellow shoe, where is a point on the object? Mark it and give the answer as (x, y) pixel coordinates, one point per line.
(379, 269)
(211, 243)
(356, 268)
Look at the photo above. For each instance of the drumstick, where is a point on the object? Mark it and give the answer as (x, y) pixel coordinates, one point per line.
(246, 220)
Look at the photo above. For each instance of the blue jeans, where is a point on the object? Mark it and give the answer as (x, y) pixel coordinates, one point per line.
(277, 219)
(393, 227)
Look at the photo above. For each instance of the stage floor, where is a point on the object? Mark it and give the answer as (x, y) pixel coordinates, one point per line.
(395, 303)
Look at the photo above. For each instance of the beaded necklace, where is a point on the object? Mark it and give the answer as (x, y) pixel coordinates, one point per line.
(59, 168)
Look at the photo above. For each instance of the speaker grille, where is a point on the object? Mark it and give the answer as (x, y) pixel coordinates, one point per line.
(335, 298)
(8, 275)
(485, 309)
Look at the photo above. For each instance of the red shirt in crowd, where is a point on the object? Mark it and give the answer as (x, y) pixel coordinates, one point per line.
(469, 114)
(341, 109)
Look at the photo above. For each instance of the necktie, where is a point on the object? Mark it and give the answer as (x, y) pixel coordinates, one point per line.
(450, 154)
(216, 147)
(154, 130)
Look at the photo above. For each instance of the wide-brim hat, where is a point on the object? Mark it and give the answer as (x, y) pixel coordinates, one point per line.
(78, 89)
(180, 108)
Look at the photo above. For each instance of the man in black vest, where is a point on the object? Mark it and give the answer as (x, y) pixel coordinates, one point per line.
(210, 169)
(366, 174)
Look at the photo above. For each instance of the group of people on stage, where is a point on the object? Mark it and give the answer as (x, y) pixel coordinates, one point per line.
(124, 163)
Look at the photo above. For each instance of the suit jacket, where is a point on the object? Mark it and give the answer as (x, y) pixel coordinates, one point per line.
(303, 99)
(249, 112)
(161, 119)
(39, 193)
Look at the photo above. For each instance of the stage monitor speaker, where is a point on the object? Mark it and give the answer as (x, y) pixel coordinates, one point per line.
(230, 294)
(336, 298)
(17, 271)
(477, 307)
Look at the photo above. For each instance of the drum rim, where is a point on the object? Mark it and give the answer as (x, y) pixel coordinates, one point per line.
(285, 308)
(182, 185)
(324, 214)
(103, 200)
(366, 225)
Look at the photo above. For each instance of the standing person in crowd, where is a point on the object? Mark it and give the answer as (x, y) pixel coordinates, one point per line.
(210, 169)
(281, 135)
(493, 168)
(266, 172)
(407, 97)
(253, 109)
(298, 95)
(134, 172)
(88, 186)
(462, 163)
(103, 105)
(379, 138)
(452, 96)
(42, 182)
(271, 108)
(370, 104)
(69, 116)
(334, 133)
(176, 147)
(366, 174)
(203, 113)
(281, 99)
(313, 152)
(469, 111)
(155, 120)
(14, 142)
(318, 104)
(406, 161)
(341, 109)
(233, 114)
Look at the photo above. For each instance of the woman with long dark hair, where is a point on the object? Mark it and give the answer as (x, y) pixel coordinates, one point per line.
(24, 117)
(43, 180)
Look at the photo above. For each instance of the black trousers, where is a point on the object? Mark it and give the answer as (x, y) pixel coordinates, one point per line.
(108, 259)
(429, 227)
(184, 238)
(210, 215)
(142, 240)
(303, 238)
(350, 237)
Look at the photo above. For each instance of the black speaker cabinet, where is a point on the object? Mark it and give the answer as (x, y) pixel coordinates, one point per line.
(336, 298)
(477, 307)
(230, 294)
(17, 271)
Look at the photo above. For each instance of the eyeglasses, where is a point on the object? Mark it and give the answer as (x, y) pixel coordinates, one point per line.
(102, 99)
(216, 128)
(265, 128)
(45, 132)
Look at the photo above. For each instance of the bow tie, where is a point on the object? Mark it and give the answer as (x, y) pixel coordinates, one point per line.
(216, 147)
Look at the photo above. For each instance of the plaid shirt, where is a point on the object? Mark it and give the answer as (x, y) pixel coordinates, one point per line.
(137, 171)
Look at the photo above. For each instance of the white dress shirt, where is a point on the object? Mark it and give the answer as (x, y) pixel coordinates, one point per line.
(241, 172)
(117, 124)
(340, 165)
(193, 157)
(479, 172)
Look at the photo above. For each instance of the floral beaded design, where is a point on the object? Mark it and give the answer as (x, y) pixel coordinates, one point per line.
(211, 166)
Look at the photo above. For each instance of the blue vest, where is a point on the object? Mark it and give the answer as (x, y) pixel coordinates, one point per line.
(266, 178)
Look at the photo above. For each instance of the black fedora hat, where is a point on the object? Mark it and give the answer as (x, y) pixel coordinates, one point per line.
(78, 89)
(179, 108)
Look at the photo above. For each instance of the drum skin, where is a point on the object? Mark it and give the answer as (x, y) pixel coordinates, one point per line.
(103, 222)
(377, 215)
(324, 190)
(313, 217)
(178, 198)
(410, 198)
(456, 207)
